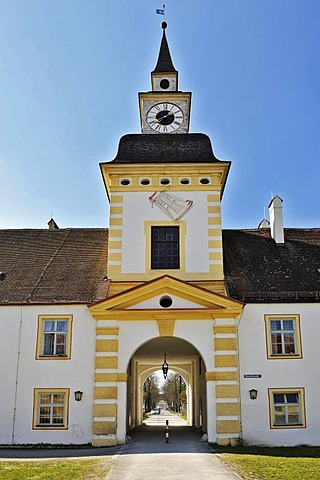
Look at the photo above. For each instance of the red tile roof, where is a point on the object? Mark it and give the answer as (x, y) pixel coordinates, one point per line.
(53, 266)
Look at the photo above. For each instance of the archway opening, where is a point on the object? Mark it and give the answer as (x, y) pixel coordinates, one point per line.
(182, 393)
(165, 399)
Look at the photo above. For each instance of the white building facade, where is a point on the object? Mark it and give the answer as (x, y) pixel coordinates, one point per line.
(86, 315)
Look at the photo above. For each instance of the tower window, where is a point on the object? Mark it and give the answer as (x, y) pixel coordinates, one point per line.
(204, 181)
(184, 181)
(164, 84)
(165, 181)
(125, 181)
(145, 181)
(165, 248)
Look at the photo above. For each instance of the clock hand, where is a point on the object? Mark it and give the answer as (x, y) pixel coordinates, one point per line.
(165, 116)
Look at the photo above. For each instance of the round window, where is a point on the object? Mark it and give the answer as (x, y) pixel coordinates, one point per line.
(125, 181)
(164, 84)
(165, 301)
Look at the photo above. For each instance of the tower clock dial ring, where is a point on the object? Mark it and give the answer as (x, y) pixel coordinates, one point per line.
(165, 117)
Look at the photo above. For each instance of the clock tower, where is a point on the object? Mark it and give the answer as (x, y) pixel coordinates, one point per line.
(166, 288)
(165, 183)
(165, 109)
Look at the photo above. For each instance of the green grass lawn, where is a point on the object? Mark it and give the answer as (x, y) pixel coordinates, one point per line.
(66, 469)
(283, 463)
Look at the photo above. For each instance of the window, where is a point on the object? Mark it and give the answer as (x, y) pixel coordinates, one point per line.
(51, 408)
(54, 337)
(283, 336)
(287, 408)
(165, 248)
(165, 245)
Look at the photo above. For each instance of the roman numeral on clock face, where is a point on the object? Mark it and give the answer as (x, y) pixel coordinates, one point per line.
(165, 117)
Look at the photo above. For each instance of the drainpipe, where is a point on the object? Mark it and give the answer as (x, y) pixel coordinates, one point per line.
(239, 382)
(17, 379)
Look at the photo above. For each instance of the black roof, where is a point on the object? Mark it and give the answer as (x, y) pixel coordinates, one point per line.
(259, 270)
(174, 148)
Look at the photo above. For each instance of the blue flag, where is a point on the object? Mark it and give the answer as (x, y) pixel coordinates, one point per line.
(160, 11)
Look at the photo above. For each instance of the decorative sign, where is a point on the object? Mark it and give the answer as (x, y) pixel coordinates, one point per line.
(252, 375)
(175, 207)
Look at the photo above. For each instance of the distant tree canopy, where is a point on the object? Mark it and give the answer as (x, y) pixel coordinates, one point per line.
(151, 392)
(174, 392)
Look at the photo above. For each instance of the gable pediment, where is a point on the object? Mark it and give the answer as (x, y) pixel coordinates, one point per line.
(188, 301)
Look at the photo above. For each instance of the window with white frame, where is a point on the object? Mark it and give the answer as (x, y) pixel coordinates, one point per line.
(54, 337)
(287, 408)
(51, 408)
(283, 336)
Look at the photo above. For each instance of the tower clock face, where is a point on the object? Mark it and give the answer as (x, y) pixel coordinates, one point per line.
(165, 117)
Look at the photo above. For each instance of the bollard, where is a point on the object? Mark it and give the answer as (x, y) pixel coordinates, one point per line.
(167, 431)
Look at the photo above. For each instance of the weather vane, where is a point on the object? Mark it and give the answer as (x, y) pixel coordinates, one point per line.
(162, 11)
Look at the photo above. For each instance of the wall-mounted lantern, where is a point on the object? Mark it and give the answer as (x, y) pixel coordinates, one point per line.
(253, 393)
(78, 395)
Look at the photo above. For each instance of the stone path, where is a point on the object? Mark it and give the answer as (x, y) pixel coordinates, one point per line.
(148, 457)
(185, 457)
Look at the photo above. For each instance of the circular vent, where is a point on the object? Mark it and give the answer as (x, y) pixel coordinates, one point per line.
(164, 84)
(125, 181)
(165, 301)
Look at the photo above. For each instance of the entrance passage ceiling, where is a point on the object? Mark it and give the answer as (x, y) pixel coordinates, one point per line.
(178, 351)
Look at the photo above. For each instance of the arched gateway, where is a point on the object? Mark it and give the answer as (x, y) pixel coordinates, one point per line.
(165, 270)
(185, 360)
(198, 334)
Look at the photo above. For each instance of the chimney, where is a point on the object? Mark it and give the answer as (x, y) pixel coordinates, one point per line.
(52, 225)
(276, 222)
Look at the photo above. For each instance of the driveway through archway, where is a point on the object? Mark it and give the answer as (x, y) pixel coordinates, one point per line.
(182, 358)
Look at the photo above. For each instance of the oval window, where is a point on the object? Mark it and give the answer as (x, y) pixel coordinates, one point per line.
(145, 181)
(204, 181)
(125, 181)
(184, 181)
(164, 181)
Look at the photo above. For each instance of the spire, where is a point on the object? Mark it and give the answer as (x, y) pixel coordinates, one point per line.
(164, 63)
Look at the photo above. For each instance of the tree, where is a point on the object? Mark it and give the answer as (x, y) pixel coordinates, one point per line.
(174, 390)
(151, 392)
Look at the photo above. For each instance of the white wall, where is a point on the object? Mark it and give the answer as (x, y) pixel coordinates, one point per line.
(76, 374)
(282, 373)
(138, 209)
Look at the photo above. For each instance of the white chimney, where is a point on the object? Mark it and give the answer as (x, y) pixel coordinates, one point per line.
(276, 221)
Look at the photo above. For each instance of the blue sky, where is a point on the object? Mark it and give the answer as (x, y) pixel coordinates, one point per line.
(70, 73)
